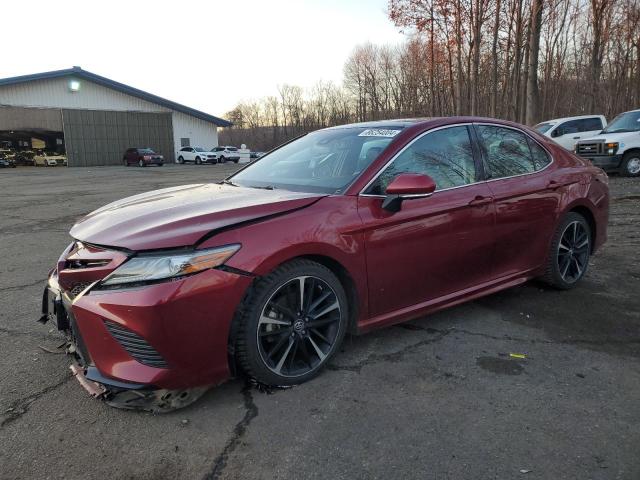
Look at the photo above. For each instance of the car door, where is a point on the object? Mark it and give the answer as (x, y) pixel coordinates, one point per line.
(190, 154)
(566, 134)
(590, 127)
(435, 246)
(525, 195)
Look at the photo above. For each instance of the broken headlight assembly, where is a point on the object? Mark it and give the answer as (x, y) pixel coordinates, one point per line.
(151, 268)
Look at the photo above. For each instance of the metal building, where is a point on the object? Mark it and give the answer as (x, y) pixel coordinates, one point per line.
(95, 119)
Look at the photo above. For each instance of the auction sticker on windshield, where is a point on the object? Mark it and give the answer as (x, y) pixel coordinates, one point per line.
(379, 132)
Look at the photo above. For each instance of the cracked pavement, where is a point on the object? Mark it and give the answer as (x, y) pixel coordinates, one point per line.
(439, 397)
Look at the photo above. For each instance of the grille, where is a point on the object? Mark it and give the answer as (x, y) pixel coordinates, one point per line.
(591, 148)
(136, 346)
(78, 288)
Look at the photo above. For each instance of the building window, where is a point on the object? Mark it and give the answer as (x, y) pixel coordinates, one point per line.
(184, 142)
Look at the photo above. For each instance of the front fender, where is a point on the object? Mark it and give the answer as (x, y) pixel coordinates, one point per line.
(329, 228)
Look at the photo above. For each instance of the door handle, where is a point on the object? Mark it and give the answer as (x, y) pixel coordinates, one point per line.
(480, 200)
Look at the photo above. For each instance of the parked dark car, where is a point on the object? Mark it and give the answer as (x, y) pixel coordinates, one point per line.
(345, 229)
(7, 162)
(255, 155)
(143, 157)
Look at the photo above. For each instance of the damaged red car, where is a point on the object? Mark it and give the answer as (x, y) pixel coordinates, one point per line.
(345, 229)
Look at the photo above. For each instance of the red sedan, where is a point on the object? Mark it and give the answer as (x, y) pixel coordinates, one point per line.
(345, 229)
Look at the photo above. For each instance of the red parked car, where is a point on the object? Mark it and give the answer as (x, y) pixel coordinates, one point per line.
(143, 157)
(345, 229)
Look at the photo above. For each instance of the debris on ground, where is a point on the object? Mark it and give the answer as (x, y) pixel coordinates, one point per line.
(518, 355)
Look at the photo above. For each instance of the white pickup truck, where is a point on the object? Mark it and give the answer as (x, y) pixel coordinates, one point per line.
(567, 131)
(617, 147)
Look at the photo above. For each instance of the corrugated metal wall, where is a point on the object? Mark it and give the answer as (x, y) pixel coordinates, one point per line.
(100, 137)
(16, 118)
(55, 93)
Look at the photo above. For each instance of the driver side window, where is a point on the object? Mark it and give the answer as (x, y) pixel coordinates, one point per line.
(445, 155)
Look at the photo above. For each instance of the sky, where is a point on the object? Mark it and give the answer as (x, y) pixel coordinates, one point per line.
(208, 55)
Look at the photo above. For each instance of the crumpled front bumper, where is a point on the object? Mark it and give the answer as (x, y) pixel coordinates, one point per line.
(186, 321)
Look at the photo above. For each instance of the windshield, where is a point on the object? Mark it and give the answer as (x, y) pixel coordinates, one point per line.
(625, 122)
(199, 149)
(146, 150)
(543, 127)
(325, 161)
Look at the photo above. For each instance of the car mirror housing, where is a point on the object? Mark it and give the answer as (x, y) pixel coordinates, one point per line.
(407, 186)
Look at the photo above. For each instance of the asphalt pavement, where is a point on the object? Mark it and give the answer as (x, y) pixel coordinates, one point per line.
(442, 397)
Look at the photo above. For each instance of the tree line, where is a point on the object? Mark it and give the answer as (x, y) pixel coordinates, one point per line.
(521, 60)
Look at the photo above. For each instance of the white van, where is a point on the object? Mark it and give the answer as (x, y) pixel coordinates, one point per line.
(617, 147)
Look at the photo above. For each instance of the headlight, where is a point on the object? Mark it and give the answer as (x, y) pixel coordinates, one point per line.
(154, 267)
(612, 148)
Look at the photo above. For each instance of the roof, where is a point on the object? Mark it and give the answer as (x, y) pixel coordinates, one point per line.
(578, 117)
(78, 72)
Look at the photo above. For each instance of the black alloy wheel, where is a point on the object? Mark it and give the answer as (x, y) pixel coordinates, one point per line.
(293, 323)
(570, 252)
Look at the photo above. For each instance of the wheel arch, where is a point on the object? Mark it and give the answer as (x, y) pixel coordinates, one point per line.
(588, 215)
(336, 267)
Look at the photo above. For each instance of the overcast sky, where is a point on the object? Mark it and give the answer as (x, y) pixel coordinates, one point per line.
(205, 54)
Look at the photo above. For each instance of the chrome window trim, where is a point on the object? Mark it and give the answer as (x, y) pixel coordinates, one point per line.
(552, 159)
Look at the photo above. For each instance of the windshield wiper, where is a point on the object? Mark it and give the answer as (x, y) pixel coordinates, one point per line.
(229, 182)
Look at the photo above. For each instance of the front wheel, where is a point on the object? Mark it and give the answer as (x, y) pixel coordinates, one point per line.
(570, 251)
(198, 161)
(222, 160)
(180, 160)
(141, 163)
(291, 323)
(630, 164)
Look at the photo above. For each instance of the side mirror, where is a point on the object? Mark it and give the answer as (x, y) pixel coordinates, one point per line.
(407, 186)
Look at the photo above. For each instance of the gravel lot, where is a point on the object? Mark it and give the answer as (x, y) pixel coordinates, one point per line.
(438, 398)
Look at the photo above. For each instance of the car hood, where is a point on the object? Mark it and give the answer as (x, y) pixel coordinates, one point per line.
(612, 137)
(181, 216)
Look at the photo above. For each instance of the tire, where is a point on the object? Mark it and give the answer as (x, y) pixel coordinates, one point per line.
(198, 161)
(630, 166)
(181, 160)
(124, 162)
(285, 349)
(568, 258)
(222, 160)
(236, 161)
(141, 163)
(161, 164)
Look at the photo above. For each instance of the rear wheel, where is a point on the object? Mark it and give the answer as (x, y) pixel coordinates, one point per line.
(235, 161)
(291, 323)
(630, 164)
(222, 160)
(570, 251)
(124, 162)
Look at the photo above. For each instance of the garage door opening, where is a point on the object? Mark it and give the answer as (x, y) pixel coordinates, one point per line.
(34, 147)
